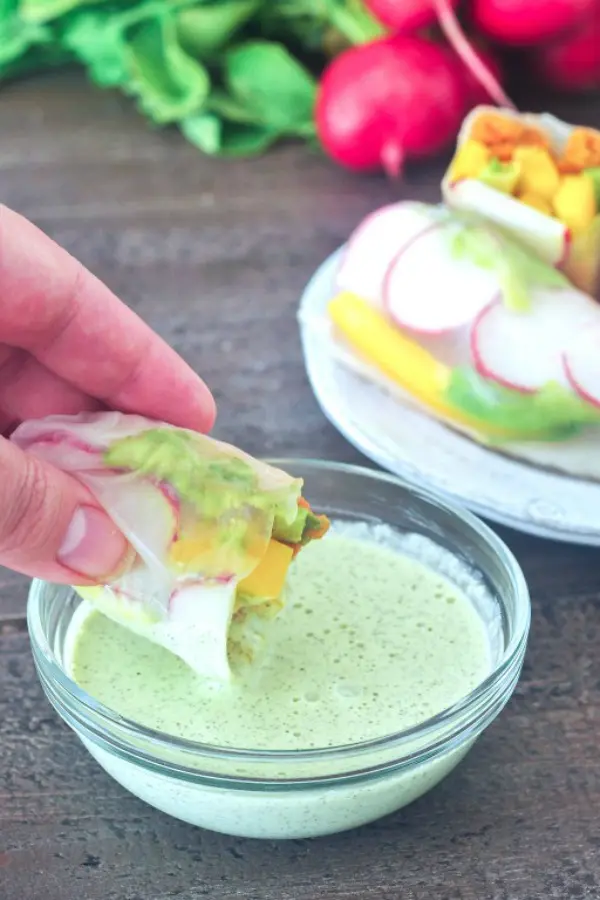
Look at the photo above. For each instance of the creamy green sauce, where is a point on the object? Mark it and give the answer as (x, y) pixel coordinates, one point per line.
(370, 642)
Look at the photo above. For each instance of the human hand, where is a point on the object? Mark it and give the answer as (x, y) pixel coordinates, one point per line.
(67, 344)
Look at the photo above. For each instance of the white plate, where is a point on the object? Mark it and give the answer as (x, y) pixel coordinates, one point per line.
(415, 446)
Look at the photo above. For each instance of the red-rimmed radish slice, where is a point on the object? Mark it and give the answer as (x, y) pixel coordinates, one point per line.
(124, 606)
(581, 362)
(175, 504)
(374, 244)
(428, 291)
(148, 515)
(546, 236)
(523, 350)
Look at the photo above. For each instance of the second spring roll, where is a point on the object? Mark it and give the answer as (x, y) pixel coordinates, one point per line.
(539, 179)
(452, 316)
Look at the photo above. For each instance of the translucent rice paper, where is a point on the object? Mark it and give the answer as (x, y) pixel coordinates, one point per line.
(198, 513)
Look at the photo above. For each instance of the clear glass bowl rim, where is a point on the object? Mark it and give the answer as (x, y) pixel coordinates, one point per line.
(482, 696)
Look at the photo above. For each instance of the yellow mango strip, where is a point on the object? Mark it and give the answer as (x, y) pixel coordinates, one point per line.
(469, 160)
(268, 578)
(202, 549)
(402, 360)
(189, 551)
(539, 174)
(408, 364)
(536, 202)
(574, 202)
(583, 257)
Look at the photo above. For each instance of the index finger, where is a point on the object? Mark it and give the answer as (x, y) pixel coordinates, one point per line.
(53, 307)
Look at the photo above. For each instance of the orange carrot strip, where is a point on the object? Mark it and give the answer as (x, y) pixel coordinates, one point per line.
(493, 128)
(533, 137)
(503, 150)
(583, 148)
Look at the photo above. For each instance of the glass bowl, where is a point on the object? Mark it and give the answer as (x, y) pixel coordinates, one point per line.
(296, 794)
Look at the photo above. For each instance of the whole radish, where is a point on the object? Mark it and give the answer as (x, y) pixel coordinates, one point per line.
(387, 101)
(530, 22)
(404, 16)
(572, 64)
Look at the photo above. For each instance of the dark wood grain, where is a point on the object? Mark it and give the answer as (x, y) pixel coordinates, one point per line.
(214, 256)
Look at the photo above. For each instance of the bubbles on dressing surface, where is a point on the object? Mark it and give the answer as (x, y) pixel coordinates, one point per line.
(375, 639)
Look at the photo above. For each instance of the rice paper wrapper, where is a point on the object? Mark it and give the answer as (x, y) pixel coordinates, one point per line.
(577, 256)
(199, 515)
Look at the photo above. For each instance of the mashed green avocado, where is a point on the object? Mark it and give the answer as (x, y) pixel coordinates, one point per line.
(291, 533)
(500, 176)
(551, 414)
(213, 486)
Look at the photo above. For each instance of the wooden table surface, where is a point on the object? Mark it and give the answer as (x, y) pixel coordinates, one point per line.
(214, 256)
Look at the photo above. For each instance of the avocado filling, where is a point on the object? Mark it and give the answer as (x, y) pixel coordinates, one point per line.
(235, 526)
(551, 414)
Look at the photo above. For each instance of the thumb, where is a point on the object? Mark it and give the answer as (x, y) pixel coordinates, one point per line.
(50, 526)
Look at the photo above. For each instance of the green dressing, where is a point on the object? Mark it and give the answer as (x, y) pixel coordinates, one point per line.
(371, 642)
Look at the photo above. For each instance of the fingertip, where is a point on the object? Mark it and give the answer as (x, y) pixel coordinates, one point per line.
(195, 408)
(209, 408)
(51, 526)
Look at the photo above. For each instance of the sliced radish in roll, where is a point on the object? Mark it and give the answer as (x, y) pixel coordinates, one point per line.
(523, 351)
(156, 508)
(429, 291)
(376, 242)
(582, 365)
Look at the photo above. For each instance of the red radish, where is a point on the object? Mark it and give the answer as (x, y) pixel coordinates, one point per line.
(375, 243)
(405, 16)
(59, 438)
(523, 351)
(582, 365)
(530, 22)
(428, 291)
(483, 74)
(387, 101)
(573, 64)
(174, 502)
(546, 236)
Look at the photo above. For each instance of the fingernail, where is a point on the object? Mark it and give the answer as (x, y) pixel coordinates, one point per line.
(93, 546)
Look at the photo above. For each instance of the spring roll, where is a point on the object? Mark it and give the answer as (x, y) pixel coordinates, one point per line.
(214, 531)
(539, 179)
(453, 316)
